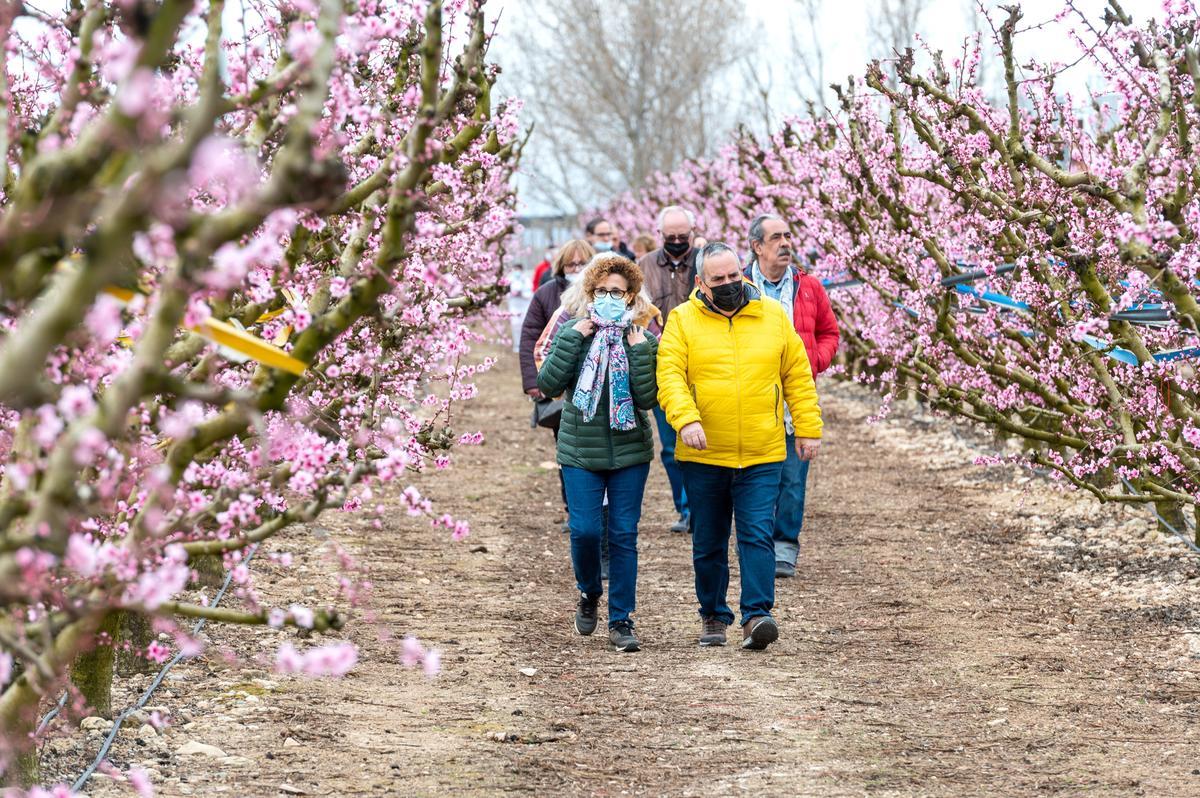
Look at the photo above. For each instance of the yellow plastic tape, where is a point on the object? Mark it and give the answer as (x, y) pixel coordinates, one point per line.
(225, 334)
(123, 294)
(251, 346)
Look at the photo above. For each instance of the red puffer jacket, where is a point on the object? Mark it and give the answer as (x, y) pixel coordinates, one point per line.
(813, 318)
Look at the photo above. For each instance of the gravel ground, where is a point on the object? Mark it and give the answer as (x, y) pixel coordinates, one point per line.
(954, 631)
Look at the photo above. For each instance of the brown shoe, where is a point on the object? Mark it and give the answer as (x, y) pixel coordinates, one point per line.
(760, 632)
(713, 633)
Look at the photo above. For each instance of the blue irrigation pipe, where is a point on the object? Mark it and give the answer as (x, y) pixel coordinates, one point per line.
(154, 684)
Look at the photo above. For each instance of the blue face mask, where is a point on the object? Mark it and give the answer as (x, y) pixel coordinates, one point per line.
(602, 246)
(608, 308)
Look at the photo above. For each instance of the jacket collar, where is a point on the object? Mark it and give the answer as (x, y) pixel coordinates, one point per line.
(796, 271)
(663, 260)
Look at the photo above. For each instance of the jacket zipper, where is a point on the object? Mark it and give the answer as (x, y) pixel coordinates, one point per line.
(777, 405)
(737, 369)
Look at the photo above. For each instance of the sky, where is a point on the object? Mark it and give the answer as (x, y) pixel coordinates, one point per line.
(842, 28)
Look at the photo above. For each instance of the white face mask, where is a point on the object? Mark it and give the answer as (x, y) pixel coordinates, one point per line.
(571, 278)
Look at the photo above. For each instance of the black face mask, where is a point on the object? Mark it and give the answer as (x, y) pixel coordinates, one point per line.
(676, 249)
(729, 296)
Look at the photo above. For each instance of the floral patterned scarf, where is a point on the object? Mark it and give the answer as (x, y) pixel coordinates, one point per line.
(607, 357)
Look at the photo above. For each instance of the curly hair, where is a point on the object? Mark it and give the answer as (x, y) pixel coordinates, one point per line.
(607, 263)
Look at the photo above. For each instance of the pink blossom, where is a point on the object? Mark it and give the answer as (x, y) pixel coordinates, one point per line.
(301, 616)
(157, 652)
(411, 652)
(224, 170)
(336, 659)
(76, 401)
(431, 663)
(140, 781)
(91, 443)
(6, 663)
(303, 41)
(81, 557)
(104, 320)
(137, 94)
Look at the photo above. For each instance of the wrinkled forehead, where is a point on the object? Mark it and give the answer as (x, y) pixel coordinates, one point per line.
(773, 227)
(721, 264)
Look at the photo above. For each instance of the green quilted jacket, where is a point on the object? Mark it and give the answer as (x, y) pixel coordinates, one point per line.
(595, 445)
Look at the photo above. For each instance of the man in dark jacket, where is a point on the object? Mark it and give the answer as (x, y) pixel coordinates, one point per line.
(773, 269)
(670, 275)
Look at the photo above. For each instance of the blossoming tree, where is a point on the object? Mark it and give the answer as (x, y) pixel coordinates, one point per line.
(241, 255)
(1030, 265)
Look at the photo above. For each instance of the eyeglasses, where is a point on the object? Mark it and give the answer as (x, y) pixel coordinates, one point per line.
(677, 239)
(574, 267)
(615, 293)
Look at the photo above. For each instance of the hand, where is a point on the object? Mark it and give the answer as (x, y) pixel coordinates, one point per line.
(636, 335)
(585, 327)
(535, 394)
(693, 435)
(807, 448)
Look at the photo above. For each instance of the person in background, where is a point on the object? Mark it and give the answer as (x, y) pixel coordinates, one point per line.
(600, 234)
(543, 271)
(568, 263)
(670, 275)
(729, 360)
(605, 366)
(642, 245)
(775, 270)
(519, 292)
(620, 248)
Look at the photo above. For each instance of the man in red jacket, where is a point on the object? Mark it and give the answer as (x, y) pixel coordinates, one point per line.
(774, 270)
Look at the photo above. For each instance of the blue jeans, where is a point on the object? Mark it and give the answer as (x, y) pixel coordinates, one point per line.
(746, 496)
(789, 509)
(585, 498)
(666, 436)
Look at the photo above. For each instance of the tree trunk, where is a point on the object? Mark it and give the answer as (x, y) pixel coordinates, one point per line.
(92, 672)
(136, 635)
(1173, 513)
(210, 570)
(18, 721)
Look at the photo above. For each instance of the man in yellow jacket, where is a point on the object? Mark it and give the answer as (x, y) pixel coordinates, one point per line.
(728, 363)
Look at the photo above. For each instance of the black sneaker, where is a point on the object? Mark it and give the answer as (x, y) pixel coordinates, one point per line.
(759, 632)
(585, 615)
(784, 569)
(623, 638)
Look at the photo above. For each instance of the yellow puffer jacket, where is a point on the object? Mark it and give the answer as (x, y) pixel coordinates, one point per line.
(733, 375)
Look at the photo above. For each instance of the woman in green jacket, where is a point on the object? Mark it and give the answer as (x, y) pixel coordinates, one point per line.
(605, 365)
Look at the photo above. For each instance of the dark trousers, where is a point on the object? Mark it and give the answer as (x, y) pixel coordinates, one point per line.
(789, 508)
(722, 497)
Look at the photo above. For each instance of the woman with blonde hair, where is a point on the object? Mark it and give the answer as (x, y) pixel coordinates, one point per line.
(604, 365)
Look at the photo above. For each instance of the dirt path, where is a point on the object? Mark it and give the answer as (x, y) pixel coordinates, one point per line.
(952, 633)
